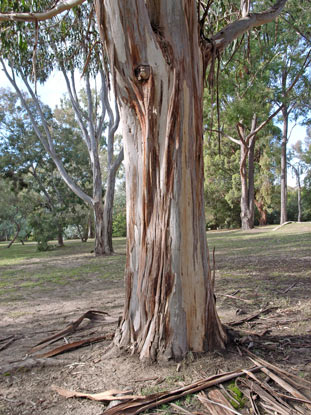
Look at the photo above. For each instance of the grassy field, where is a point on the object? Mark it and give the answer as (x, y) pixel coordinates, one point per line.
(23, 268)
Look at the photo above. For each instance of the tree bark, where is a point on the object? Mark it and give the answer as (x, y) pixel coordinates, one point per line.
(108, 205)
(60, 236)
(99, 228)
(262, 212)
(247, 144)
(170, 307)
(298, 171)
(283, 217)
(91, 231)
(299, 196)
(18, 229)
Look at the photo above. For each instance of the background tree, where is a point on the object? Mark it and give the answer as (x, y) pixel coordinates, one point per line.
(15, 206)
(68, 46)
(292, 49)
(24, 160)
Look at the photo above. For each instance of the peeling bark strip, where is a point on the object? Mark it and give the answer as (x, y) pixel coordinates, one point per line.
(170, 307)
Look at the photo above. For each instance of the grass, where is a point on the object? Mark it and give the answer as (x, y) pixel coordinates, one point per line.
(260, 263)
(23, 269)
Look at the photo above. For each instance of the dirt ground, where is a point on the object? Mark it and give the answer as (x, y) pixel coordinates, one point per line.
(245, 284)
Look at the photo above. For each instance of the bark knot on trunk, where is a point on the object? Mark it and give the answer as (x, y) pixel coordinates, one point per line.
(142, 72)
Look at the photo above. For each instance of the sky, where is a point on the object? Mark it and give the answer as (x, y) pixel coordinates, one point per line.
(55, 88)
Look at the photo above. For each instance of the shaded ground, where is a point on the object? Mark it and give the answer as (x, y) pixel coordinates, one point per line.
(41, 293)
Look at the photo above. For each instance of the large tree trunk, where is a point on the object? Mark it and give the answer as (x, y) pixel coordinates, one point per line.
(283, 217)
(170, 307)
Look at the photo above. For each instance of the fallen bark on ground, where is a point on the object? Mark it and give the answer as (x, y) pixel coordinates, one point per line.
(268, 395)
(110, 395)
(72, 346)
(91, 315)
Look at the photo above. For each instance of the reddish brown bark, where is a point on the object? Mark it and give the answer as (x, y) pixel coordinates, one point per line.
(262, 212)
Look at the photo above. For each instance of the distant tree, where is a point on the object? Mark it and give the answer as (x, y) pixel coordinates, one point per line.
(15, 206)
(292, 47)
(69, 48)
(23, 159)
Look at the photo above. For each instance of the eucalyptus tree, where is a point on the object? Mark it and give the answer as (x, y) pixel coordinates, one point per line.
(158, 54)
(291, 42)
(300, 163)
(68, 50)
(244, 109)
(23, 159)
(15, 205)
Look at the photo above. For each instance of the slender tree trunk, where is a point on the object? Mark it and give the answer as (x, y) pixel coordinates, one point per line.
(100, 248)
(91, 233)
(99, 229)
(251, 184)
(85, 233)
(283, 217)
(298, 193)
(108, 208)
(245, 214)
(247, 175)
(60, 236)
(18, 229)
(170, 307)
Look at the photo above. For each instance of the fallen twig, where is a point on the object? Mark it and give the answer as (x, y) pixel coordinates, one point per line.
(7, 344)
(289, 288)
(251, 317)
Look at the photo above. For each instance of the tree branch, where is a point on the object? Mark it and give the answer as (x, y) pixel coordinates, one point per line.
(235, 29)
(227, 136)
(47, 143)
(35, 17)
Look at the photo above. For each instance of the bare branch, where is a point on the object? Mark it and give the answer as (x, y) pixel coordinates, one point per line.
(227, 136)
(35, 17)
(235, 29)
(46, 142)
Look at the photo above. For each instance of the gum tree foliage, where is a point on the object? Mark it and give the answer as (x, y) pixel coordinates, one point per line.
(158, 53)
(70, 44)
(15, 206)
(291, 43)
(300, 163)
(249, 75)
(24, 160)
